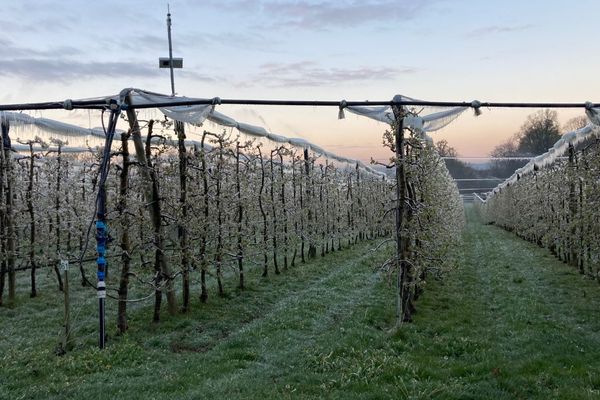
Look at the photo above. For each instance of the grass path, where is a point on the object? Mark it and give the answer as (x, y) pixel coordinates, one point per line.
(510, 323)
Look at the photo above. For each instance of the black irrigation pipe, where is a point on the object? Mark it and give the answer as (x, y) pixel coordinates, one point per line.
(101, 104)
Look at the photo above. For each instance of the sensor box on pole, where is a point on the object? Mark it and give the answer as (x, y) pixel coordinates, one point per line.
(164, 62)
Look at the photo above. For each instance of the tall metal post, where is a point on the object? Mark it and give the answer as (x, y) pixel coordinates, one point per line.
(402, 295)
(170, 51)
(101, 227)
(101, 239)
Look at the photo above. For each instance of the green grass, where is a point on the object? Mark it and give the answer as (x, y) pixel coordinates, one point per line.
(510, 322)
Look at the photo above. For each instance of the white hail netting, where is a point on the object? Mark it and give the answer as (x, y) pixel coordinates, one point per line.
(91, 139)
(48, 130)
(24, 127)
(424, 119)
(197, 114)
(576, 137)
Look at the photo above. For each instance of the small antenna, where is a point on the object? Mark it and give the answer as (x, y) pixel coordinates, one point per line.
(170, 50)
(170, 62)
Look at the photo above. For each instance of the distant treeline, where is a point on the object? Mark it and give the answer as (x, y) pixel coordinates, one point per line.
(539, 132)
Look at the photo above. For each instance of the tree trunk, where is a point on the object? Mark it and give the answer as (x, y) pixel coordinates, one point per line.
(284, 214)
(350, 215)
(10, 239)
(295, 213)
(312, 249)
(57, 216)
(302, 219)
(182, 229)
(274, 216)
(81, 237)
(264, 214)
(403, 290)
(360, 225)
(203, 237)
(4, 143)
(219, 206)
(30, 210)
(573, 253)
(240, 216)
(152, 197)
(324, 211)
(122, 205)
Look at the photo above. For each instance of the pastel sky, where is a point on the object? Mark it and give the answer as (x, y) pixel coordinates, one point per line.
(331, 50)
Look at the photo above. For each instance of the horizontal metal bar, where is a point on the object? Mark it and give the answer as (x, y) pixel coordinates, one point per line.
(322, 103)
(99, 104)
(55, 105)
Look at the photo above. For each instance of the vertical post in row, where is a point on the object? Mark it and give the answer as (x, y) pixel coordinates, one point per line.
(403, 290)
(101, 226)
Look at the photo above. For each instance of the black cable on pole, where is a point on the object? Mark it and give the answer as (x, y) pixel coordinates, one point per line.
(101, 226)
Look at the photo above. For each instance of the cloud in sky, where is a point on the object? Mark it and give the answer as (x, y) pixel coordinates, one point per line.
(250, 41)
(494, 29)
(321, 15)
(67, 64)
(309, 73)
(9, 49)
(140, 42)
(307, 15)
(36, 25)
(70, 71)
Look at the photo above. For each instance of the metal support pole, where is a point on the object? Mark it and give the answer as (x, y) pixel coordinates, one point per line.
(170, 52)
(101, 238)
(101, 226)
(402, 296)
(64, 264)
